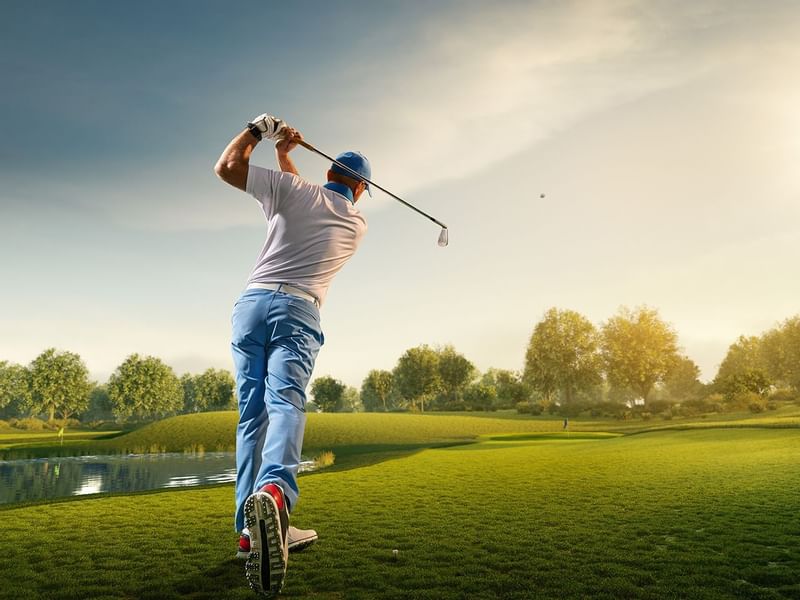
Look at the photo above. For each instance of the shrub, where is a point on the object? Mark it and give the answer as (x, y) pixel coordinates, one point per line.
(529, 408)
(325, 459)
(709, 404)
(454, 406)
(195, 450)
(4, 424)
(784, 395)
(608, 410)
(658, 406)
(29, 424)
(667, 415)
(754, 402)
(103, 425)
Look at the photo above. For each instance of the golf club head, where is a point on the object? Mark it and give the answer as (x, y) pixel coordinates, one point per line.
(443, 239)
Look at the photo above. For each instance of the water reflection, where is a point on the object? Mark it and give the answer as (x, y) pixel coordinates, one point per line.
(47, 478)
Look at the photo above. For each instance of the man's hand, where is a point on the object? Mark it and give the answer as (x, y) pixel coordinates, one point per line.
(266, 126)
(288, 140)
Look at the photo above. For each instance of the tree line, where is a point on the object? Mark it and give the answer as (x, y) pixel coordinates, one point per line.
(56, 384)
(629, 365)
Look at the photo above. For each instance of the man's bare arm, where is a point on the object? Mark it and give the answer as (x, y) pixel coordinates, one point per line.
(234, 162)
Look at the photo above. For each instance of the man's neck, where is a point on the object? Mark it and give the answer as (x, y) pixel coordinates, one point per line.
(342, 189)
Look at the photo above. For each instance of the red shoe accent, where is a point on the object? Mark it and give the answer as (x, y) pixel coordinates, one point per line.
(244, 543)
(276, 492)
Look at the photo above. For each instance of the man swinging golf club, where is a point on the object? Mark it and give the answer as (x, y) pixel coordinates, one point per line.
(312, 231)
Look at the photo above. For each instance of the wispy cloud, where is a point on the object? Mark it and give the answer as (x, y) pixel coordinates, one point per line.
(465, 90)
(487, 84)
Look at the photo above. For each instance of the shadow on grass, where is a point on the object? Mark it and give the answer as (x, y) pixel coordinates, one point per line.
(356, 456)
(553, 437)
(718, 425)
(226, 581)
(223, 580)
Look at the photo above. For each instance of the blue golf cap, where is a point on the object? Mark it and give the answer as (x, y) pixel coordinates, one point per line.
(355, 161)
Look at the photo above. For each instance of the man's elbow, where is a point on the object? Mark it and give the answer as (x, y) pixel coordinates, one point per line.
(227, 171)
(222, 169)
(231, 173)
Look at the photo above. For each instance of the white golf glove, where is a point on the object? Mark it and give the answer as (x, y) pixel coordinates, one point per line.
(266, 126)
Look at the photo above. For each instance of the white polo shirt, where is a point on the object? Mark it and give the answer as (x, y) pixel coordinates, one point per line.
(311, 231)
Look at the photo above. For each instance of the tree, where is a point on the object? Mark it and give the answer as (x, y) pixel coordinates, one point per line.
(562, 355)
(376, 390)
(189, 386)
(780, 353)
(480, 396)
(638, 350)
(682, 383)
(745, 354)
(59, 383)
(744, 383)
(144, 387)
(15, 389)
(214, 390)
(100, 406)
(455, 374)
(743, 369)
(417, 375)
(791, 338)
(328, 393)
(351, 400)
(511, 390)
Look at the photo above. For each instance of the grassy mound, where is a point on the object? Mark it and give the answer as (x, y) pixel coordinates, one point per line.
(215, 431)
(700, 514)
(351, 433)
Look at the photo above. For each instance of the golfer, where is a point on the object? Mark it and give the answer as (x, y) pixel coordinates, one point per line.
(312, 231)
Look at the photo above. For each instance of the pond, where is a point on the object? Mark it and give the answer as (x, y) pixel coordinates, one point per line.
(48, 478)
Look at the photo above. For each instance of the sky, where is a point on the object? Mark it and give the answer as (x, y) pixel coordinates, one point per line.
(663, 135)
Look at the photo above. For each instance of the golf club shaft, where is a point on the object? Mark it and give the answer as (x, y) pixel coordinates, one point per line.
(308, 146)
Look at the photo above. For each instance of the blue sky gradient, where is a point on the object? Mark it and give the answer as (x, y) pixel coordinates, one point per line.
(665, 137)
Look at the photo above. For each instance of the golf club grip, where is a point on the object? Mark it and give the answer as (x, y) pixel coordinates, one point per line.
(308, 146)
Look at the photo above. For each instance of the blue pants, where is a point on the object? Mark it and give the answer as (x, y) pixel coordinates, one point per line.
(276, 339)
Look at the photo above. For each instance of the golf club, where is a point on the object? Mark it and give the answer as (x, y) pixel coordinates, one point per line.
(443, 235)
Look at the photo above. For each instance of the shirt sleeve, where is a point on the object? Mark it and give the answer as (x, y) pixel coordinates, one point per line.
(262, 184)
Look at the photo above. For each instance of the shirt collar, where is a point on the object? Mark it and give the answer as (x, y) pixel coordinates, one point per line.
(340, 188)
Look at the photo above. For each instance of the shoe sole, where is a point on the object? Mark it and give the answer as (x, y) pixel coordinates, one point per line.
(299, 545)
(295, 546)
(266, 564)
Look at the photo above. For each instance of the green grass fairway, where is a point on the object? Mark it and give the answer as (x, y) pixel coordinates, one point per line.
(677, 514)
(215, 431)
(354, 433)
